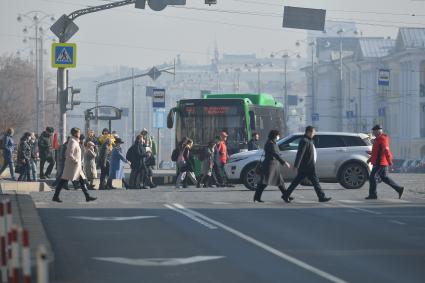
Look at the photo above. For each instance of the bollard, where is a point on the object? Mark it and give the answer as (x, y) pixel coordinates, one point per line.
(14, 271)
(3, 252)
(42, 265)
(26, 257)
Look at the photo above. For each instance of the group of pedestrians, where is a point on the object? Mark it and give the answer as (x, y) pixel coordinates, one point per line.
(271, 172)
(213, 159)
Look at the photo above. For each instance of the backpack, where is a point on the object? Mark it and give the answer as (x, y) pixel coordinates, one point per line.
(175, 154)
(203, 154)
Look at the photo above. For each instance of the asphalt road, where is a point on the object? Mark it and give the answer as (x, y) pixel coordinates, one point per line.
(219, 235)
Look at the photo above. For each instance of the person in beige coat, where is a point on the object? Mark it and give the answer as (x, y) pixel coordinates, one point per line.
(73, 170)
(90, 163)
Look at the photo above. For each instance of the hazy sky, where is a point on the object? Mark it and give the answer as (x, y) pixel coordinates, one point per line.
(142, 38)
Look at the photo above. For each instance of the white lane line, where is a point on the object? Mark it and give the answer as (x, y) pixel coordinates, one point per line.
(350, 201)
(270, 249)
(194, 218)
(357, 208)
(113, 218)
(221, 203)
(395, 200)
(397, 222)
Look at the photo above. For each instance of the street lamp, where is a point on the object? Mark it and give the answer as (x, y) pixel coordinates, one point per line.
(312, 44)
(286, 54)
(340, 32)
(35, 21)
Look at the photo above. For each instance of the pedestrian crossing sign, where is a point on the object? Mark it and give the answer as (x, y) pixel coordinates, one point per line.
(64, 55)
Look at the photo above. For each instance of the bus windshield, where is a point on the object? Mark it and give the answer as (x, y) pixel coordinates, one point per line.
(202, 121)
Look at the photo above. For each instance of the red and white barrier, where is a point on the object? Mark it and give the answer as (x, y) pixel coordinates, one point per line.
(14, 261)
(26, 257)
(42, 265)
(15, 255)
(3, 248)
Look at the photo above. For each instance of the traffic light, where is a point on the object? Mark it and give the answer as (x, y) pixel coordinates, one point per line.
(72, 97)
(210, 2)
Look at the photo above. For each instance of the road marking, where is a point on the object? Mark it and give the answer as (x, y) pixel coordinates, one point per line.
(112, 218)
(351, 201)
(221, 203)
(397, 222)
(193, 217)
(357, 208)
(270, 249)
(158, 261)
(304, 201)
(395, 200)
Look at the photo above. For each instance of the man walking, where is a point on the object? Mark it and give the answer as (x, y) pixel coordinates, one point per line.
(305, 166)
(46, 152)
(223, 157)
(253, 143)
(381, 158)
(8, 148)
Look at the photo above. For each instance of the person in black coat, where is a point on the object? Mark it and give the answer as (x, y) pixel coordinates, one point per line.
(305, 165)
(253, 143)
(271, 167)
(136, 155)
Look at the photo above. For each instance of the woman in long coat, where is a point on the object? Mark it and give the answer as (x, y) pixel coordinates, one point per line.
(271, 168)
(73, 171)
(116, 164)
(90, 163)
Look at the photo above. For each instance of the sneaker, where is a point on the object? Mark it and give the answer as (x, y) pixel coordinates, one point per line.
(369, 197)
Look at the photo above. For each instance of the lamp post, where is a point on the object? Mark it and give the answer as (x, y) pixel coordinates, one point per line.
(312, 44)
(340, 32)
(286, 54)
(37, 20)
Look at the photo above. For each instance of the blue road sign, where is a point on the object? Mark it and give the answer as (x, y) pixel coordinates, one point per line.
(64, 55)
(159, 118)
(384, 77)
(315, 117)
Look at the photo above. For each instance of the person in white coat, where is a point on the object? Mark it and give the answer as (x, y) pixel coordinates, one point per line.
(73, 170)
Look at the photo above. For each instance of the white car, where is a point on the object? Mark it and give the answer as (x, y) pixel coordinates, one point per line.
(341, 157)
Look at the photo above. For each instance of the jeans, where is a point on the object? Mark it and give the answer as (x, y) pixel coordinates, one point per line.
(382, 172)
(25, 175)
(312, 176)
(8, 162)
(33, 166)
(49, 169)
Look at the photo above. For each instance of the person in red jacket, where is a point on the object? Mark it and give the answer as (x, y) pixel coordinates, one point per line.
(381, 158)
(223, 157)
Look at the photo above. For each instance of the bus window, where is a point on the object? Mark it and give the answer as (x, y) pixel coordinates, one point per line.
(252, 120)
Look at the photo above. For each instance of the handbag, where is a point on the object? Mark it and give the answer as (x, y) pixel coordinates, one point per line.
(259, 166)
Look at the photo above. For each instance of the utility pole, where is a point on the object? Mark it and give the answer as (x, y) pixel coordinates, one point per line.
(313, 86)
(133, 107)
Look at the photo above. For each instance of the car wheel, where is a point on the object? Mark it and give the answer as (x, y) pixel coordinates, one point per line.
(353, 175)
(249, 177)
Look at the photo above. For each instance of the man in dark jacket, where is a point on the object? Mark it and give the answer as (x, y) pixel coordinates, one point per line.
(253, 143)
(8, 148)
(46, 152)
(136, 154)
(381, 158)
(104, 155)
(305, 165)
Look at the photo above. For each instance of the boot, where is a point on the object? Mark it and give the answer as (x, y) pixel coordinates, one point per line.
(57, 192)
(86, 191)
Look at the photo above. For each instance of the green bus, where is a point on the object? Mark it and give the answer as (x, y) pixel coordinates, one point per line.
(239, 115)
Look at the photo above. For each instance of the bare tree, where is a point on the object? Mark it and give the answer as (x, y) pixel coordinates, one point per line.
(18, 96)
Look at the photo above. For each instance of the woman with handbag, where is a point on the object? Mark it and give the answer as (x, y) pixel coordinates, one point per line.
(270, 169)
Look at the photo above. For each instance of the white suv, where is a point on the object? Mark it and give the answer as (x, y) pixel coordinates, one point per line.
(341, 157)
